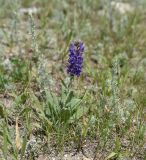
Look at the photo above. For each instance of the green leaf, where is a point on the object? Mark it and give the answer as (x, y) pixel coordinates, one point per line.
(20, 99)
(23, 146)
(111, 155)
(80, 111)
(69, 97)
(65, 114)
(63, 83)
(51, 98)
(25, 110)
(1, 112)
(68, 41)
(1, 133)
(74, 103)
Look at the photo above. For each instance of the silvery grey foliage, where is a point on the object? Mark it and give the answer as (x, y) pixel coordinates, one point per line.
(7, 64)
(33, 148)
(43, 76)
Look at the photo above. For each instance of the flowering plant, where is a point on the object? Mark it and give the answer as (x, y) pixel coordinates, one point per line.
(75, 61)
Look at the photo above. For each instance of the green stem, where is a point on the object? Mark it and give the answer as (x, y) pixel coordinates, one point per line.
(71, 81)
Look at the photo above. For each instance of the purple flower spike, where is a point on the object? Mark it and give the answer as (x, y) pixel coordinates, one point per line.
(75, 61)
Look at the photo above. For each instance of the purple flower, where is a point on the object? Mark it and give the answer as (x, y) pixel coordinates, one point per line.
(75, 61)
